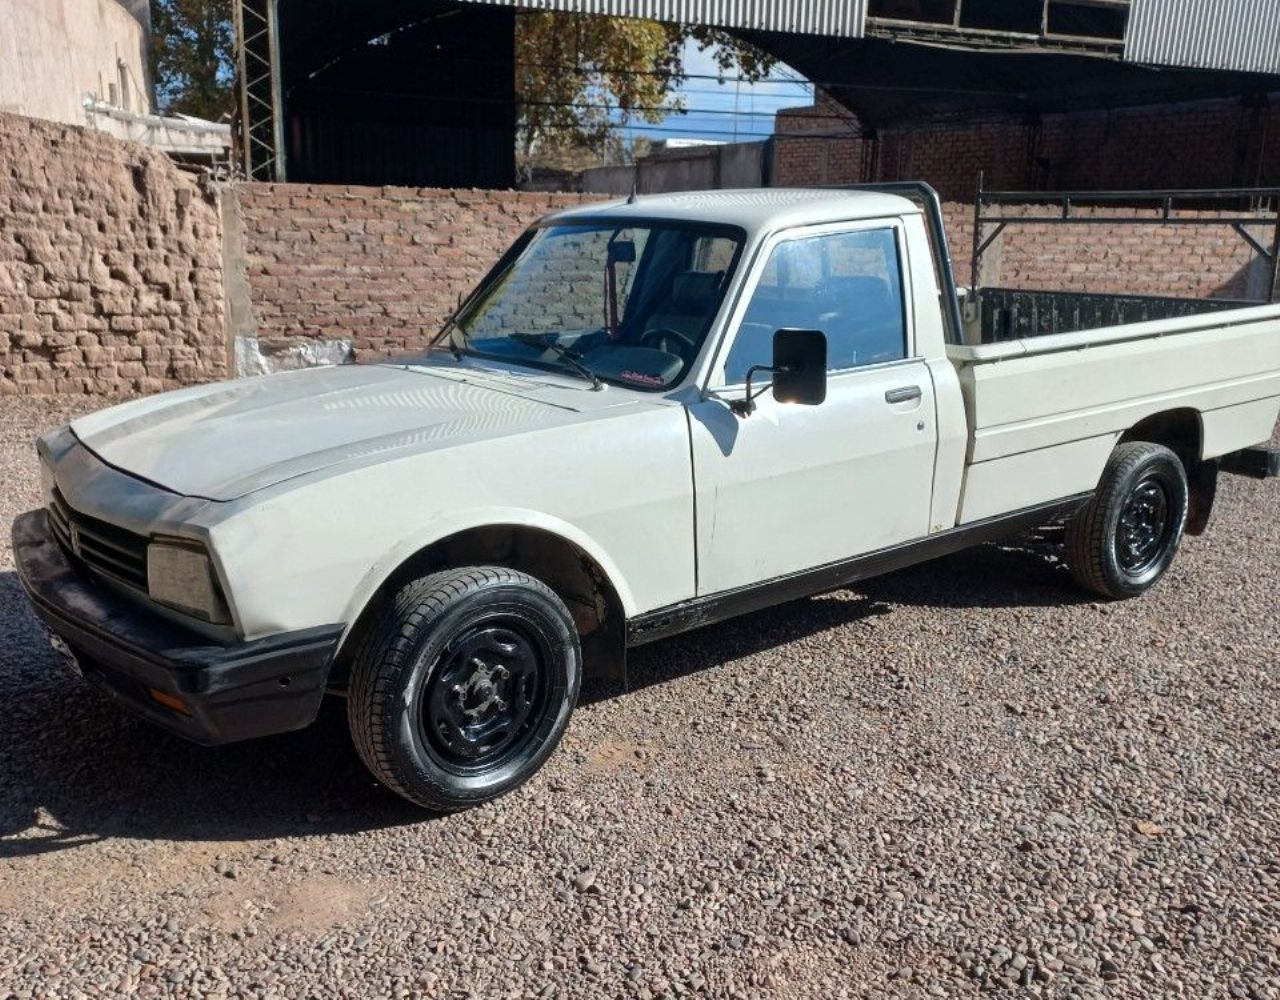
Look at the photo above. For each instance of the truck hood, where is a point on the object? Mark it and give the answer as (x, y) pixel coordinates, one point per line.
(223, 441)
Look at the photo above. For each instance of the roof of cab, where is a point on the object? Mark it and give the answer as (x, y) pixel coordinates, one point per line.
(754, 209)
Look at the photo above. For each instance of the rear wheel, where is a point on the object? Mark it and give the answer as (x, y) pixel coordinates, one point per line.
(464, 686)
(1122, 542)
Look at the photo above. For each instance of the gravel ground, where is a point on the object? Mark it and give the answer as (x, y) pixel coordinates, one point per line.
(958, 779)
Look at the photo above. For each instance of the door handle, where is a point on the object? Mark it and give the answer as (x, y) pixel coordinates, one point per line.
(903, 395)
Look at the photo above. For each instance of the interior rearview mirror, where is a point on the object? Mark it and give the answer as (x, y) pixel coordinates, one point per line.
(622, 252)
(800, 366)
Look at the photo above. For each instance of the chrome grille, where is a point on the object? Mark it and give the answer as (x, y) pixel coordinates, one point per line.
(98, 545)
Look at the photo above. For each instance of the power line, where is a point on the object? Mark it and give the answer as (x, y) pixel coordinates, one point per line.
(845, 120)
(724, 79)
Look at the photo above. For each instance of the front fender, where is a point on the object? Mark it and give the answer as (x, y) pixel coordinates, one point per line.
(441, 528)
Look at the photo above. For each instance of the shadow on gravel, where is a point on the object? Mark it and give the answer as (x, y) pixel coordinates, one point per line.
(74, 768)
(1015, 574)
(714, 645)
(1023, 573)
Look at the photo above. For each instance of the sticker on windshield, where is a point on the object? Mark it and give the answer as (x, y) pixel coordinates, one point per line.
(642, 378)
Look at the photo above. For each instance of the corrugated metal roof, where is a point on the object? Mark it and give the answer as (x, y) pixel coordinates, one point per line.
(841, 18)
(1206, 34)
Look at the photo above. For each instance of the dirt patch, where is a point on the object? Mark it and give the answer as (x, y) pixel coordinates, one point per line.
(612, 757)
(311, 907)
(319, 904)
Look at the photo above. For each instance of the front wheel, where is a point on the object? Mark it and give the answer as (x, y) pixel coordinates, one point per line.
(464, 686)
(1122, 541)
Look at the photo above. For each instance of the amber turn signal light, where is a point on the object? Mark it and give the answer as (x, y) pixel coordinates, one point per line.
(169, 701)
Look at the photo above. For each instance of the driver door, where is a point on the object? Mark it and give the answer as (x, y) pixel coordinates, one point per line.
(792, 488)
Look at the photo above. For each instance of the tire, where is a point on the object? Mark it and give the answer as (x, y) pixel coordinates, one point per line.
(1122, 542)
(464, 686)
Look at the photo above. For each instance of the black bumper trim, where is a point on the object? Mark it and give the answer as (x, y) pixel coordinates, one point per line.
(232, 692)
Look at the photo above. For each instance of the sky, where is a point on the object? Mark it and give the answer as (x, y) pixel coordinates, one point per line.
(730, 112)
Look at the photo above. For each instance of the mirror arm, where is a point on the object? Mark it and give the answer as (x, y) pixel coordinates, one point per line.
(746, 406)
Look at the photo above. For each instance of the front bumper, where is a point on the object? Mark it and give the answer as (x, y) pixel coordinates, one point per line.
(228, 692)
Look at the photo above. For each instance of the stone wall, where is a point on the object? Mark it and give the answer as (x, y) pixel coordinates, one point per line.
(110, 266)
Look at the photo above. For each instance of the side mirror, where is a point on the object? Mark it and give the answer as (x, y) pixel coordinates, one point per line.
(800, 366)
(799, 371)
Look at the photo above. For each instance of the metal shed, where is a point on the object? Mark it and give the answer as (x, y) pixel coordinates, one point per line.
(838, 18)
(1239, 35)
(421, 91)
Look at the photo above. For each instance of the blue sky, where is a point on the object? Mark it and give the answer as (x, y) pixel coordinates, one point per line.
(730, 111)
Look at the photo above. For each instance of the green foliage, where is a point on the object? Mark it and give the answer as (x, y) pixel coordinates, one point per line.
(193, 57)
(579, 78)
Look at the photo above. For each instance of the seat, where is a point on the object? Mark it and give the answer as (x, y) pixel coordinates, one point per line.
(866, 324)
(688, 307)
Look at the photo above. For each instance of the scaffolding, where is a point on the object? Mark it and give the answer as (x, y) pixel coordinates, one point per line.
(261, 146)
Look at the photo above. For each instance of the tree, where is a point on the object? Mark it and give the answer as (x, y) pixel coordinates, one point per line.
(579, 78)
(193, 57)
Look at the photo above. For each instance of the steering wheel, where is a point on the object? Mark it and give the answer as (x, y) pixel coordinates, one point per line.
(662, 338)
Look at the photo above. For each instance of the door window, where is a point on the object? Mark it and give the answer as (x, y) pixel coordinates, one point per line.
(848, 285)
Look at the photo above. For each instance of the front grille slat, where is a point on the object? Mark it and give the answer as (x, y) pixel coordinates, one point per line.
(108, 563)
(100, 541)
(103, 547)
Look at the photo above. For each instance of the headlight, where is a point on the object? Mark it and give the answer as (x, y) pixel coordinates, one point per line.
(180, 575)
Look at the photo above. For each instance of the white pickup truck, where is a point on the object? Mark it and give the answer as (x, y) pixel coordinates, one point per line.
(651, 416)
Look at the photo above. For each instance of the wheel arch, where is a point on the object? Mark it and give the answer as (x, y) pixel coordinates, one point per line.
(1181, 430)
(568, 562)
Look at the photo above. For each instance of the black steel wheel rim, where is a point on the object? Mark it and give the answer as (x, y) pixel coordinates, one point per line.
(485, 695)
(1145, 527)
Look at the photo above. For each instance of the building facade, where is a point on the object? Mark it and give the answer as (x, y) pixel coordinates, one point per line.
(55, 54)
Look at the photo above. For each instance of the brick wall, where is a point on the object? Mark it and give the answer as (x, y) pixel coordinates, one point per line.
(821, 144)
(114, 265)
(1181, 261)
(1203, 145)
(1206, 144)
(110, 266)
(380, 266)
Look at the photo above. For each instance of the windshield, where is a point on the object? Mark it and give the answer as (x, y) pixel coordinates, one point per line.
(628, 304)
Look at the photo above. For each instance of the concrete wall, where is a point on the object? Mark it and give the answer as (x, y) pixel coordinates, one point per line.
(733, 165)
(54, 52)
(110, 266)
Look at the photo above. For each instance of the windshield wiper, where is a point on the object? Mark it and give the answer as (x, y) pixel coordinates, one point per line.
(453, 326)
(566, 354)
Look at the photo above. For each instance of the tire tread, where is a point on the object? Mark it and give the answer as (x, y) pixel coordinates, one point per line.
(1086, 535)
(385, 654)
